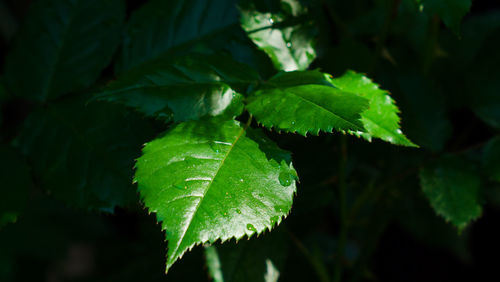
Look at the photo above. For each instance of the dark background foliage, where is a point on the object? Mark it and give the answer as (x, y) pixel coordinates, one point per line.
(446, 84)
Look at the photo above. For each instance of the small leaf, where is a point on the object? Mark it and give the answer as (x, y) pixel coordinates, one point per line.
(209, 180)
(188, 88)
(491, 158)
(161, 26)
(16, 181)
(452, 187)
(84, 155)
(450, 11)
(307, 108)
(63, 47)
(258, 259)
(290, 48)
(381, 120)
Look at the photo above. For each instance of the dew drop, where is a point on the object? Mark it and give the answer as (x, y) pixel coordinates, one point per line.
(241, 180)
(271, 21)
(285, 178)
(288, 44)
(238, 211)
(215, 147)
(251, 227)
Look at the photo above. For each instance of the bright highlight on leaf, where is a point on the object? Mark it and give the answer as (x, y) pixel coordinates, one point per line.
(213, 180)
(290, 48)
(186, 89)
(64, 47)
(311, 101)
(381, 119)
(452, 187)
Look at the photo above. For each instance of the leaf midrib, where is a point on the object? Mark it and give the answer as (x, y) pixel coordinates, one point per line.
(322, 108)
(242, 130)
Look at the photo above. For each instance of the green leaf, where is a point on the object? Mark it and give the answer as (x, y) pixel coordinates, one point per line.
(161, 26)
(63, 47)
(16, 181)
(290, 48)
(210, 180)
(450, 11)
(186, 89)
(258, 259)
(452, 187)
(491, 158)
(306, 108)
(84, 155)
(381, 120)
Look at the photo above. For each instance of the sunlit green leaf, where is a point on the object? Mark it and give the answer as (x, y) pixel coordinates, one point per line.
(452, 187)
(381, 120)
(63, 47)
(290, 48)
(84, 155)
(258, 259)
(211, 180)
(188, 88)
(306, 108)
(16, 180)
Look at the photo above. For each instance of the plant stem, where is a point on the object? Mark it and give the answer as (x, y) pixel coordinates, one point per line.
(337, 275)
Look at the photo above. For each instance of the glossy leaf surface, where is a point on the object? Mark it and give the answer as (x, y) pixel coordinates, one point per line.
(161, 26)
(381, 120)
(84, 155)
(211, 180)
(258, 259)
(16, 180)
(63, 47)
(186, 89)
(452, 187)
(307, 108)
(290, 48)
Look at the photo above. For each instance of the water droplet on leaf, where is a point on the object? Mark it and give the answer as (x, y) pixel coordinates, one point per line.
(251, 227)
(285, 178)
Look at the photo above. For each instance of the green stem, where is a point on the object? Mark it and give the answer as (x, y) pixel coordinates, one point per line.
(337, 275)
